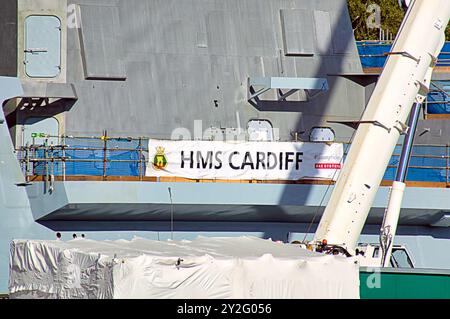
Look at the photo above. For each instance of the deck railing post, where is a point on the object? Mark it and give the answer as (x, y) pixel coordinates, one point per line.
(27, 162)
(63, 154)
(52, 168)
(446, 162)
(140, 159)
(46, 166)
(105, 146)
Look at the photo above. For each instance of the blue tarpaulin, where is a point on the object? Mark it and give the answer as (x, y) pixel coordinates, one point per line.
(372, 55)
(85, 160)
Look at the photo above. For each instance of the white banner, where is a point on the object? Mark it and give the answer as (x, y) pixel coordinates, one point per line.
(244, 160)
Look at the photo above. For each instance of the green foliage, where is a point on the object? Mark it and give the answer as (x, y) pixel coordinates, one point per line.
(391, 18)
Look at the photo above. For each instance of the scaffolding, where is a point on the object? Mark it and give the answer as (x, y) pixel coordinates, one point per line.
(104, 157)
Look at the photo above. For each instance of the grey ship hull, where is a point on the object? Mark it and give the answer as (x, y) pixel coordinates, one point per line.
(160, 66)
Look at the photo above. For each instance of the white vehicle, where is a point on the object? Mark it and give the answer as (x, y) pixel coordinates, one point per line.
(369, 255)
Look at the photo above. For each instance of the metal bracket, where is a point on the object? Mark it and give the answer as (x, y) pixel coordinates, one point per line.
(401, 127)
(293, 85)
(423, 89)
(434, 60)
(355, 124)
(24, 184)
(33, 51)
(405, 54)
(282, 96)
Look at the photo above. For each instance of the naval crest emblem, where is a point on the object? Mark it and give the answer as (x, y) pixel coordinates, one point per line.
(160, 160)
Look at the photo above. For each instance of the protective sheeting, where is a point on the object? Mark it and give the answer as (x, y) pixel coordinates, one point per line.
(237, 267)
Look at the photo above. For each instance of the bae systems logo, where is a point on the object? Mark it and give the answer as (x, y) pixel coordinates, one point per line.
(160, 160)
(327, 166)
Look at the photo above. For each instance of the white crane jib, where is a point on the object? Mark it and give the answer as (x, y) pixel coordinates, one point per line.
(404, 80)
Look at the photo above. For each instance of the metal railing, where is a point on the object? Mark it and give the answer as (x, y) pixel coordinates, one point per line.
(428, 163)
(374, 53)
(128, 157)
(88, 156)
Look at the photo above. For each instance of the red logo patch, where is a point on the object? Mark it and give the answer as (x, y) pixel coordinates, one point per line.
(328, 166)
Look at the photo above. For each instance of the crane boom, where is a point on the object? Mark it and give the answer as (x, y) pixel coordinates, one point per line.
(405, 77)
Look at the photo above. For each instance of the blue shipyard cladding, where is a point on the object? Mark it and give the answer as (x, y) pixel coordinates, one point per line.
(374, 55)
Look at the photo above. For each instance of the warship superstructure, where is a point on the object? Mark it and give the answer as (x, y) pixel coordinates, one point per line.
(99, 78)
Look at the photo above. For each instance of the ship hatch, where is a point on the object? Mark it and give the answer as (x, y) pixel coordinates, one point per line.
(42, 46)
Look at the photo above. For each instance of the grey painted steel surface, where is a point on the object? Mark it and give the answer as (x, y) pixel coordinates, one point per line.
(177, 58)
(8, 38)
(11, 88)
(16, 219)
(49, 90)
(221, 202)
(99, 33)
(298, 32)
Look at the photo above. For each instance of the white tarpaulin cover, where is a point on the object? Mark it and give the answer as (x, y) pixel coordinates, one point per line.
(236, 267)
(244, 160)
